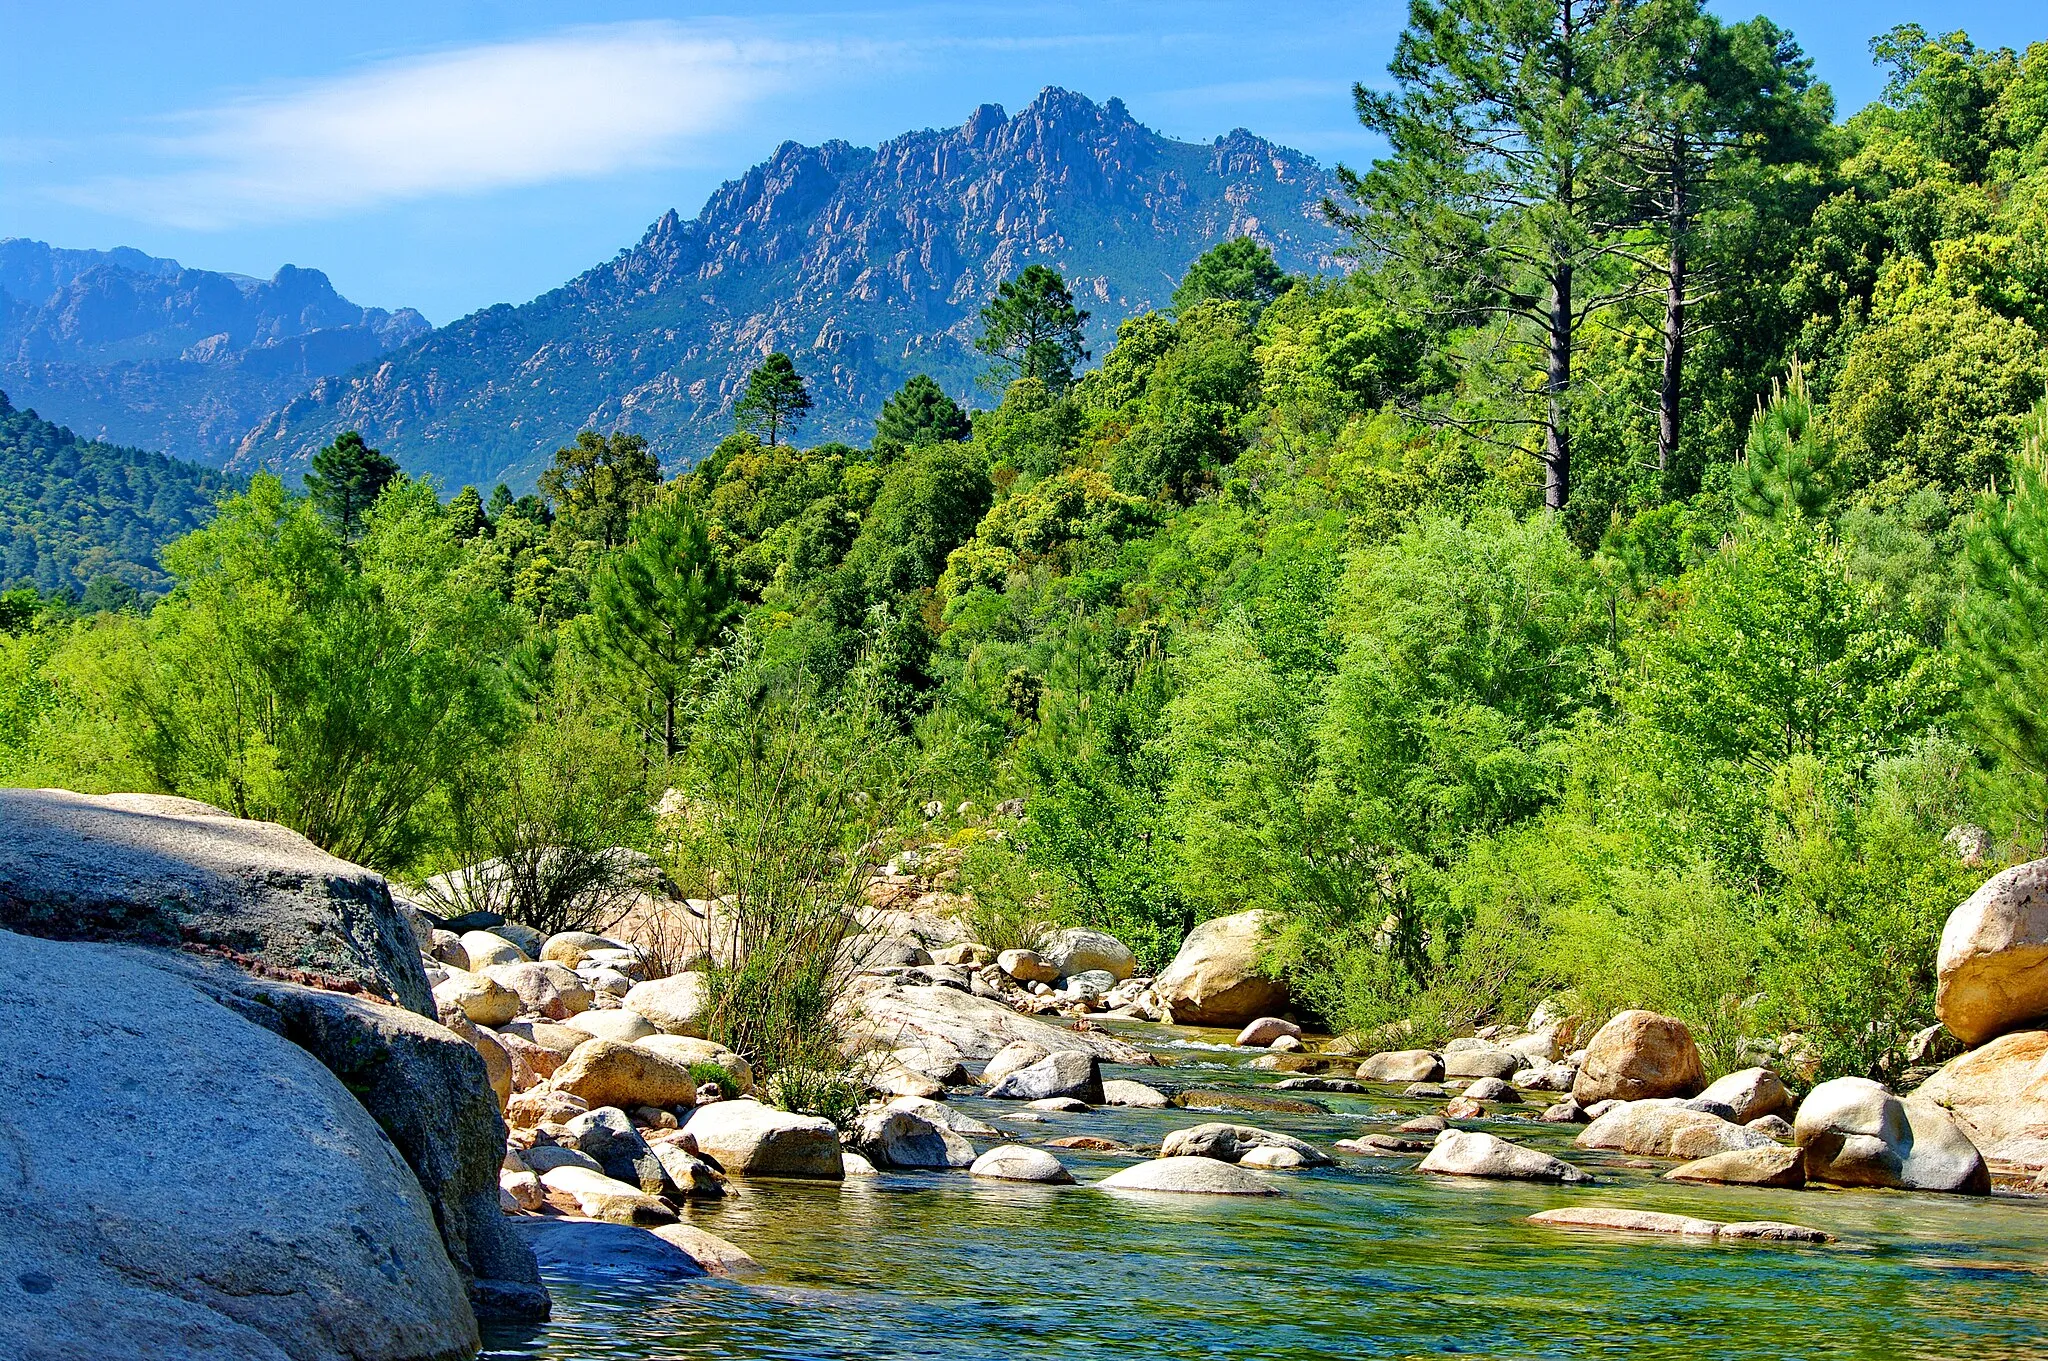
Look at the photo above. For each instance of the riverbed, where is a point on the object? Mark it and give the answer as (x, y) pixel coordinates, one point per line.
(1366, 1259)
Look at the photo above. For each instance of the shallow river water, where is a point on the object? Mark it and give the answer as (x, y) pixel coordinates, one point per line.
(1367, 1259)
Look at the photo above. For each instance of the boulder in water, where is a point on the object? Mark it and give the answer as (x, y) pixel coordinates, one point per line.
(1188, 1176)
(1639, 1055)
(1016, 1162)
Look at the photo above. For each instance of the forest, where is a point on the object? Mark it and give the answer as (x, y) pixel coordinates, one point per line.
(1630, 578)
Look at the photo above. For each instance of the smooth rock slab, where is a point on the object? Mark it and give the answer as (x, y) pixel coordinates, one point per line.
(1462, 1153)
(603, 1252)
(151, 869)
(1016, 1162)
(1188, 1176)
(1776, 1166)
(1617, 1220)
(597, 1196)
(716, 1255)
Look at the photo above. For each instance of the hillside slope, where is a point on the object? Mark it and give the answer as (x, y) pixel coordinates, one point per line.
(72, 509)
(134, 349)
(866, 264)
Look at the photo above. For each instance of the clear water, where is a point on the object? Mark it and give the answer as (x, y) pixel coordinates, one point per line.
(1367, 1259)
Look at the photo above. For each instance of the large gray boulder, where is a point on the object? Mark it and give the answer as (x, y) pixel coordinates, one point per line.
(1668, 1128)
(1080, 950)
(425, 1088)
(621, 1152)
(891, 1137)
(1402, 1065)
(1639, 1056)
(1472, 1153)
(752, 1140)
(1855, 1133)
(184, 1181)
(1065, 1074)
(1231, 1143)
(2000, 1094)
(156, 870)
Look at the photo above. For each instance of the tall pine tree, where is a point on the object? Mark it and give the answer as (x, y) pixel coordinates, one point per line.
(775, 399)
(346, 479)
(656, 605)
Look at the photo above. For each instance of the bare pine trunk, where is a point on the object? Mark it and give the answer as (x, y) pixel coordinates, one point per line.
(1672, 390)
(1557, 450)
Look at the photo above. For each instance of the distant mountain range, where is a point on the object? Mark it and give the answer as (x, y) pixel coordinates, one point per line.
(866, 264)
(129, 348)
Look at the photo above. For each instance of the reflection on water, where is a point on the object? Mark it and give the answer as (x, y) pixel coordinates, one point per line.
(1363, 1260)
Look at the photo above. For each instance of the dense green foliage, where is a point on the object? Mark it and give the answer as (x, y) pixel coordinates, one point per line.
(74, 512)
(1287, 604)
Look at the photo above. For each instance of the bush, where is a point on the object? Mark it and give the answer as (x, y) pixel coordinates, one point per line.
(781, 790)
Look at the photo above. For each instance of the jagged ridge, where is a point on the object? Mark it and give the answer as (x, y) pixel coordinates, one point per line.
(867, 264)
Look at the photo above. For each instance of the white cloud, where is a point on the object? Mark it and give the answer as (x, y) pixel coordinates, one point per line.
(578, 104)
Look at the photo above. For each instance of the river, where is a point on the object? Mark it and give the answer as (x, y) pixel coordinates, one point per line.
(1367, 1259)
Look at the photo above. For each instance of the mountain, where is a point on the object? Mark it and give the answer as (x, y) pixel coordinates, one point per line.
(73, 509)
(140, 350)
(866, 264)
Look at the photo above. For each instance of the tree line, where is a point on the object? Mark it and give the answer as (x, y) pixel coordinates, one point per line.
(1625, 580)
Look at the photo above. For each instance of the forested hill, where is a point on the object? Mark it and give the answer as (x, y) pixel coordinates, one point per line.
(140, 350)
(74, 510)
(867, 265)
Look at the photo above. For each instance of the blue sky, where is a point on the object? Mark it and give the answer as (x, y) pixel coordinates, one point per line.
(448, 154)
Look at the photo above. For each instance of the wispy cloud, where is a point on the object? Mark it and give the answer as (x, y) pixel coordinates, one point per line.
(579, 104)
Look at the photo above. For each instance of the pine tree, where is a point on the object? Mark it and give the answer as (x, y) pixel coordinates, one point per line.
(775, 398)
(920, 413)
(656, 605)
(346, 479)
(1499, 201)
(1031, 329)
(2003, 627)
(1790, 465)
(1237, 270)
